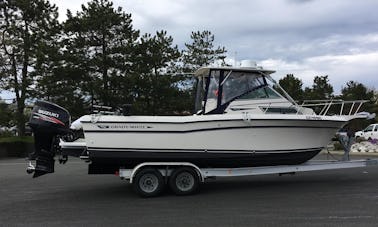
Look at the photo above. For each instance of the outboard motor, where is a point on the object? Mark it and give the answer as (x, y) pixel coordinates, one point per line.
(49, 122)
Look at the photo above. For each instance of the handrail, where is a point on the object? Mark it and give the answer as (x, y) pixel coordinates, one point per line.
(326, 104)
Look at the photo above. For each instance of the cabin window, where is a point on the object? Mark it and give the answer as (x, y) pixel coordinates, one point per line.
(279, 110)
(200, 94)
(217, 89)
(261, 93)
(213, 91)
(238, 83)
(213, 85)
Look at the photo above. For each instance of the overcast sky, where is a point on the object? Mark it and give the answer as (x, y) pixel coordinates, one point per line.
(338, 38)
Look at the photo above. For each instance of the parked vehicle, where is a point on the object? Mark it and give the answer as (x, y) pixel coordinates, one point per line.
(369, 133)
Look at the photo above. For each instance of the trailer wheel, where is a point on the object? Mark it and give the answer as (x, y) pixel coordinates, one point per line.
(184, 181)
(148, 182)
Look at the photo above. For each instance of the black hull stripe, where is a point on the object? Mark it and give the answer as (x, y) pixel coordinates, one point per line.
(201, 130)
(193, 122)
(109, 162)
(114, 149)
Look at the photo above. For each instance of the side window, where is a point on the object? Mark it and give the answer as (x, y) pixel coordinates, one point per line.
(369, 128)
(279, 110)
(376, 128)
(212, 93)
(214, 85)
(200, 94)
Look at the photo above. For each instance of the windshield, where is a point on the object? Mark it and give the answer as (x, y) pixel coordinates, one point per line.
(369, 128)
(224, 86)
(239, 83)
(262, 93)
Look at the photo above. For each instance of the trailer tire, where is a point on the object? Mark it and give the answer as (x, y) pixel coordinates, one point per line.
(184, 181)
(148, 182)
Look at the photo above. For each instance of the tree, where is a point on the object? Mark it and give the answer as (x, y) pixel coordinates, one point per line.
(198, 53)
(26, 30)
(320, 90)
(201, 51)
(62, 78)
(60, 84)
(5, 114)
(293, 86)
(101, 48)
(357, 91)
(158, 91)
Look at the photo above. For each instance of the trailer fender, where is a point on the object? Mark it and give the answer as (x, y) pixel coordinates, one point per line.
(164, 165)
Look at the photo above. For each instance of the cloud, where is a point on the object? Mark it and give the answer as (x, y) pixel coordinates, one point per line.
(305, 37)
(339, 68)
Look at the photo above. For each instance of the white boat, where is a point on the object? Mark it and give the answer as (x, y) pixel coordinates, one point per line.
(241, 119)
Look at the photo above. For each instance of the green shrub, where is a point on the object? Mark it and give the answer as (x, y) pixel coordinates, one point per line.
(4, 134)
(16, 146)
(15, 139)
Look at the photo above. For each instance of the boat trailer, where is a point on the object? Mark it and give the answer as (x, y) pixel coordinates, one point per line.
(183, 178)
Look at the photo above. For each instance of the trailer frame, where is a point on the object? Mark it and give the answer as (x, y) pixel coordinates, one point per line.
(165, 170)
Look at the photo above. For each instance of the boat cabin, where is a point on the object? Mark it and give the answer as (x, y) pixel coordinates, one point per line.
(223, 90)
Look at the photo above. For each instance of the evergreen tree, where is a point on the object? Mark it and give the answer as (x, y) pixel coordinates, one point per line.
(357, 91)
(101, 48)
(201, 51)
(5, 114)
(198, 53)
(61, 83)
(158, 89)
(293, 86)
(320, 90)
(27, 28)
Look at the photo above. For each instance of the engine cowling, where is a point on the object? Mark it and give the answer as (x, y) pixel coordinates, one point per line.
(49, 117)
(48, 121)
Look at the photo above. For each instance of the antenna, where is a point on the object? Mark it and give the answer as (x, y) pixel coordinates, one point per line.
(235, 54)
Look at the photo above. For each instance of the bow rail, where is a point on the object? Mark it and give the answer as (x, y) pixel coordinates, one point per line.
(338, 106)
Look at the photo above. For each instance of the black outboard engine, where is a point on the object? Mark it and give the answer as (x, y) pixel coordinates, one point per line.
(49, 122)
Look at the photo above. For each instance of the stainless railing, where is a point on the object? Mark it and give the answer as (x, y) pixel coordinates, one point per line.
(319, 107)
(345, 107)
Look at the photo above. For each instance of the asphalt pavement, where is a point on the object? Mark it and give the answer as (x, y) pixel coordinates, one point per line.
(70, 197)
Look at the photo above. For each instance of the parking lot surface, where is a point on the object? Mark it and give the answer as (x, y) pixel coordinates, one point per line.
(70, 197)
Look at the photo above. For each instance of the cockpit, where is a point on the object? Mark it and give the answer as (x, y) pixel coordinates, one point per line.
(226, 89)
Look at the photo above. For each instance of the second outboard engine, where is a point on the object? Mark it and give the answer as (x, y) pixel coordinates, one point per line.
(49, 122)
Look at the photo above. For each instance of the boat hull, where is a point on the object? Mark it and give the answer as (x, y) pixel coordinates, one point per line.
(223, 141)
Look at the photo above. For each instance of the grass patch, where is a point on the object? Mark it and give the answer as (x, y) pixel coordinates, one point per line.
(17, 139)
(16, 146)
